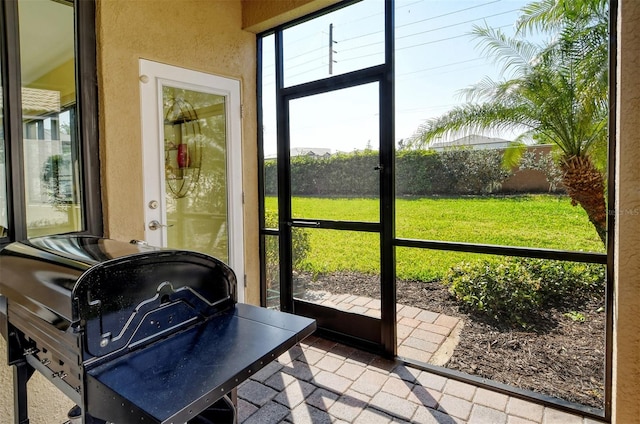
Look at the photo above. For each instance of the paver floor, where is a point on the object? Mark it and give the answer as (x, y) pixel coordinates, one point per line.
(422, 335)
(319, 381)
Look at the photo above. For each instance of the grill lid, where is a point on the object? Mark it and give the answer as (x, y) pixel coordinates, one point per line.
(113, 290)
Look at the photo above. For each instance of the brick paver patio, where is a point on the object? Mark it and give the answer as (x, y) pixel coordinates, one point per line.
(422, 335)
(319, 381)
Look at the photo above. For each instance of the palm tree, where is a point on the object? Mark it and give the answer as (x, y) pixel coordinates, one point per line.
(555, 93)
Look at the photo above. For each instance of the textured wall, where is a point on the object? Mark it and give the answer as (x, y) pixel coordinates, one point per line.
(626, 401)
(204, 35)
(260, 15)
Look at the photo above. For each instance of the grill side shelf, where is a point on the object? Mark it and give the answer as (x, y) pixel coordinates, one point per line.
(172, 381)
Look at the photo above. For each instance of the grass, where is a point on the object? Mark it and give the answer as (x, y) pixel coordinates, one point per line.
(542, 221)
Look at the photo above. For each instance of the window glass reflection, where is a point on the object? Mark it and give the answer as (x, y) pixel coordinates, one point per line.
(4, 224)
(51, 159)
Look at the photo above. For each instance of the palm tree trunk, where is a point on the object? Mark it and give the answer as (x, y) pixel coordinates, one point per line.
(585, 186)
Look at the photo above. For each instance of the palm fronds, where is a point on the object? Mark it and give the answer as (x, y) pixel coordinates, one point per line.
(556, 92)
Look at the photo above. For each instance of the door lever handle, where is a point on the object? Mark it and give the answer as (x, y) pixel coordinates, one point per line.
(313, 224)
(154, 225)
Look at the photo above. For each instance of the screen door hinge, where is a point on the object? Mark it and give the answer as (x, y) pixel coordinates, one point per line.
(241, 111)
(245, 280)
(243, 197)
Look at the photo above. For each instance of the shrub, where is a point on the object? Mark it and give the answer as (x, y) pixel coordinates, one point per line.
(502, 291)
(270, 177)
(418, 173)
(517, 291)
(566, 283)
(300, 249)
(474, 171)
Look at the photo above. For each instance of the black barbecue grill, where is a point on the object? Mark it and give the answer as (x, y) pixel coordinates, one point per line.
(131, 333)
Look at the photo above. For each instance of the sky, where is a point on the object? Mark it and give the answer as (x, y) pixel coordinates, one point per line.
(435, 58)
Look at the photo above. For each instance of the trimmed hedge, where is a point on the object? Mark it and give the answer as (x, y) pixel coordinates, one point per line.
(518, 291)
(418, 173)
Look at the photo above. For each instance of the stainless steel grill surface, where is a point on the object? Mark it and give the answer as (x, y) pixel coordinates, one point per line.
(131, 333)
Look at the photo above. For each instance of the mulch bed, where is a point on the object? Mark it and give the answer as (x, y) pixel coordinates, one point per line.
(562, 358)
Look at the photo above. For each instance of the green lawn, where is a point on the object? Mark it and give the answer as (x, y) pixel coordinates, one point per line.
(544, 221)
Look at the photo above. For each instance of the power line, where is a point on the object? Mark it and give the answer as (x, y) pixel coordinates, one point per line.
(417, 109)
(398, 48)
(422, 20)
(267, 75)
(304, 72)
(299, 64)
(423, 32)
(409, 4)
(416, 45)
(377, 14)
(298, 40)
(360, 19)
(458, 23)
(303, 54)
(361, 36)
(440, 66)
(363, 56)
(288, 68)
(361, 46)
(444, 39)
(448, 13)
(449, 72)
(399, 77)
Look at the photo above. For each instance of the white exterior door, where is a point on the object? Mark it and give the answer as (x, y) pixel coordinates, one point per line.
(191, 141)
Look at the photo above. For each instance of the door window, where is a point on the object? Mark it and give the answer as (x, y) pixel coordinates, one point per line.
(195, 152)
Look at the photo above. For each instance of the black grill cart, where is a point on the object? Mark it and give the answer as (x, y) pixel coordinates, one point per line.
(131, 333)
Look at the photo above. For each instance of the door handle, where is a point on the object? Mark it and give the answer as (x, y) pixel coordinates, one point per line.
(154, 225)
(312, 224)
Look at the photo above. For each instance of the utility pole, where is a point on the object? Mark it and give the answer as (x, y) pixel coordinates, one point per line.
(331, 51)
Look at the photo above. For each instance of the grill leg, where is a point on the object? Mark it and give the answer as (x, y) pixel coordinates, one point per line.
(22, 372)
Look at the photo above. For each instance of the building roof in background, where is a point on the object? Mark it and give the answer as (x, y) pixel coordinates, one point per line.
(474, 141)
(316, 152)
(36, 101)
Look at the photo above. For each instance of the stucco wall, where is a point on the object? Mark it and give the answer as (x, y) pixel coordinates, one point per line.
(626, 395)
(260, 15)
(203, 35)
